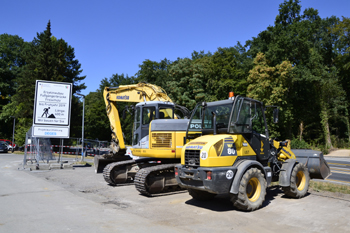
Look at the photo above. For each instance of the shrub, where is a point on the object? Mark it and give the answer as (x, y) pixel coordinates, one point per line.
(297, 144)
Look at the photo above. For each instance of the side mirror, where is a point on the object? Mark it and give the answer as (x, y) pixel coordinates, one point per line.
(275, 115)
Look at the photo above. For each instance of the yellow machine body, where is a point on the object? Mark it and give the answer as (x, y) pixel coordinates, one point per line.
(223, 150)
(163, 144)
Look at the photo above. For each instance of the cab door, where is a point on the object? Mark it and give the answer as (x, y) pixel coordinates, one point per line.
(248, 119)
(260, 137)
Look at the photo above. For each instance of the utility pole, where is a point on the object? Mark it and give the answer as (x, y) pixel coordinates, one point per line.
(82, 129)
(13, 132)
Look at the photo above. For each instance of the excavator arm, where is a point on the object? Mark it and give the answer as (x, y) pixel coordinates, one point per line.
(135, 93)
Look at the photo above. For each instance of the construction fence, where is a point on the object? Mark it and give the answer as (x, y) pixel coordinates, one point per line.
(47, 149)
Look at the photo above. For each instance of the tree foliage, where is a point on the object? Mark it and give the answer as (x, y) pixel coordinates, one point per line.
(11, 63)
(271, 86)
(45, 58)
(300, 63)
(98, 125)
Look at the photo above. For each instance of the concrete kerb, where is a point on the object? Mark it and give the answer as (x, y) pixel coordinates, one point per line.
(51, 165)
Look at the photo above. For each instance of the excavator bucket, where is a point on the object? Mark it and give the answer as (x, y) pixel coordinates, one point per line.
(315, 162)
(101, 161)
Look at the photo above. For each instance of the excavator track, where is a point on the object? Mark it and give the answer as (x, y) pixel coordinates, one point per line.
(110, 169)
(157, 179)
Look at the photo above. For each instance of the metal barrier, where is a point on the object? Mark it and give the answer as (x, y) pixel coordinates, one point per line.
(46, 149)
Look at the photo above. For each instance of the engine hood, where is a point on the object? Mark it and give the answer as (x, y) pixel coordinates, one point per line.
(217, 150)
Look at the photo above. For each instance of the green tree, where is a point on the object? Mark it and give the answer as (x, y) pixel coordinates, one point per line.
(154, 72)
(11, 63)
(306, 41)
(225, 75)
(271, 86)
(187, 82)
(97, 123)
(96, 120)
(46, 58)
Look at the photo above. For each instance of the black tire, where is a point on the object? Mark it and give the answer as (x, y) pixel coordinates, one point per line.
(201, 195)
(252, 191)
(299, 182)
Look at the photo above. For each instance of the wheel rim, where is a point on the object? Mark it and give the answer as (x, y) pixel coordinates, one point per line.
(253, 189)
(301, 180)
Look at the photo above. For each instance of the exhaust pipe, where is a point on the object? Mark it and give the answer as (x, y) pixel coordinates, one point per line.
(214, 122)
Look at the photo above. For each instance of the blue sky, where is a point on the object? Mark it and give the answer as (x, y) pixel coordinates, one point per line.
(115, 37)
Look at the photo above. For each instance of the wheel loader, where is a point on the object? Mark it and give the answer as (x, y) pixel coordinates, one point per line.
(157, 139)
(231, 152)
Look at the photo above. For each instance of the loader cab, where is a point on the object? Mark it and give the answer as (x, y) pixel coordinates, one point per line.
(145, 112)
(238, 115)
(248, 118)
(202, 121)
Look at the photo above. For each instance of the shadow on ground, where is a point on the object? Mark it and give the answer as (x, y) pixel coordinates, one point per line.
(222, 203)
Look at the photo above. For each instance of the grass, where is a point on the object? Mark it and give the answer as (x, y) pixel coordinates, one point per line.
(330, 187)
(18, 152)
(324, 187)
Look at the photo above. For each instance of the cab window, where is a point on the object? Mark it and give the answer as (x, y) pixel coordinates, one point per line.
(222, 116)
(258, 123)
(148, 114)
(166, 113)
(240, 122)
(137, 118)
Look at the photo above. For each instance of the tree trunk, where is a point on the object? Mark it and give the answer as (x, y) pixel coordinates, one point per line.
(348, 127)
(325, 126)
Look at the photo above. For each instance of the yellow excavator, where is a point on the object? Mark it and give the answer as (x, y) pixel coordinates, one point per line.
(231, 152)
(157, 139)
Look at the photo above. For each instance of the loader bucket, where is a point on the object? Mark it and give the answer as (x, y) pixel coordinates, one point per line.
(315, 162)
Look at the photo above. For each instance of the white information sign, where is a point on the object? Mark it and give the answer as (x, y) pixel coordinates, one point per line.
(52, 107)
(51, 132)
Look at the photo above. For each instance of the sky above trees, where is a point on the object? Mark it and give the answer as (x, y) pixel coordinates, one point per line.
(112, 37)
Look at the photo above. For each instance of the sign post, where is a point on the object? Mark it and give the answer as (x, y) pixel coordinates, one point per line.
(52, 109)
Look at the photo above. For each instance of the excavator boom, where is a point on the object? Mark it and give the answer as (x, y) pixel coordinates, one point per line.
(136, 93)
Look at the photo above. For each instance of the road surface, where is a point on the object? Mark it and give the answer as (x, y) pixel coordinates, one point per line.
(79, 200)
(340, 169)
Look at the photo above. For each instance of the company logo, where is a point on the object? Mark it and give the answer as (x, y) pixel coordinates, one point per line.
(194, 147)
(286, 152)
(125, 97)
(195, 126)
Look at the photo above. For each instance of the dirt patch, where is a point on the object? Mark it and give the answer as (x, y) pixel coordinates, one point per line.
(336, 195)
(339, 153)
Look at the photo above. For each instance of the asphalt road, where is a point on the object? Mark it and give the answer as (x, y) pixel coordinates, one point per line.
(79, 200)
(340, 169)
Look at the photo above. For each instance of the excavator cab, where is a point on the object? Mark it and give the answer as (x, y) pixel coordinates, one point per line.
(145, 112)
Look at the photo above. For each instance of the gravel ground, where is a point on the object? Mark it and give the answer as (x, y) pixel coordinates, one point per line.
(318, 211)
(79, 200)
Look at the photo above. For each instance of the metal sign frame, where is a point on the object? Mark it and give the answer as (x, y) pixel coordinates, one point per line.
(52, 109)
